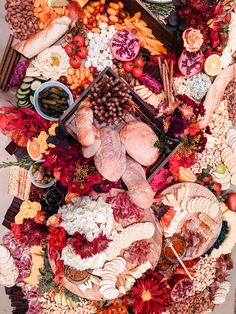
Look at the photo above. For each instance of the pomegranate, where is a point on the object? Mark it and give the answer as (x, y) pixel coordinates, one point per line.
(190, 63)
(231, 201)
(125, 45)
(180, 286)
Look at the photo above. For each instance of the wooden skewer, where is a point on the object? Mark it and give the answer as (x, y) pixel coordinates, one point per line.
(181, 262)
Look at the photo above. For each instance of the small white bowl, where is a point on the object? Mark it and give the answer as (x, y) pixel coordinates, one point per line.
(35, 182)
(41, 88)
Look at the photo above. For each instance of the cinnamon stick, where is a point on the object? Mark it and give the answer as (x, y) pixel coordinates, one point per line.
(13, 61)
(171, 77)
(7, 63)
(6, 51)
(17, 58)
(160, 68)
(169, 87)
(165, 82)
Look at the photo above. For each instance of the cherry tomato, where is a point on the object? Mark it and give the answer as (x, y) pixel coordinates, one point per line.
(82, 52)
(128, 66)
(70, 49)
(79, 40)
(75, 62)
(137, 72)
(139, 62)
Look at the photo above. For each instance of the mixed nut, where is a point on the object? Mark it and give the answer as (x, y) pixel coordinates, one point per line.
(21, 19)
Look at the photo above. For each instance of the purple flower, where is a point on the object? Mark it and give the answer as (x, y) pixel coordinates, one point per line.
(177, 126)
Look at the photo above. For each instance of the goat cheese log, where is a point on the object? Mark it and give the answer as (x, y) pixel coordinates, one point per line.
(139, 191)
(139, 139)
(110, 159)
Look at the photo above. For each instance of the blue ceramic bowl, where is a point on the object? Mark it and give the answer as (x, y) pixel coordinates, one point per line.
(46, 85)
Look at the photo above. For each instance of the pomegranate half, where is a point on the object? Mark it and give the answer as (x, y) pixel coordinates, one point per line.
(181, 287)
(125, 45)
(190, 63)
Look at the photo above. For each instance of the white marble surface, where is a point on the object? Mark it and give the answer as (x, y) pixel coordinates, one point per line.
(5, 199)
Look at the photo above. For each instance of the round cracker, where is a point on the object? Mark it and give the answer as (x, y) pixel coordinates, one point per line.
(111, 293)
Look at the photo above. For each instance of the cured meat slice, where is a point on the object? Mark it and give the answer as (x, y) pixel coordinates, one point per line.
(139, 139)
(139, 191)
(110, 159)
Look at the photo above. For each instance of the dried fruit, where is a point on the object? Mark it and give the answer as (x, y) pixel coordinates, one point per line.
(125, 45)
(190, 63)
(181, 287)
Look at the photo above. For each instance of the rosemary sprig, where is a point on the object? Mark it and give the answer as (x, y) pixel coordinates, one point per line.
(26, 163)
(160, 9)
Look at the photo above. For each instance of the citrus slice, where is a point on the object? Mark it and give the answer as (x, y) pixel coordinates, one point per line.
(33, 149)
(186, 175)
(213, 65)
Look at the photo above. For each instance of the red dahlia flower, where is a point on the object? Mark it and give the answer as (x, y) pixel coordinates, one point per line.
(150, 294)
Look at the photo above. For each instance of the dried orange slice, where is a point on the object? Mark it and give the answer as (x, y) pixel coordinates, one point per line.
(213, 65)
(33, 149)
(186, 175)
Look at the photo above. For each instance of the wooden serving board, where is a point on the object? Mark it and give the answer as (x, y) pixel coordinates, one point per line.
(197, 190)
(143, 112)
(153, 257)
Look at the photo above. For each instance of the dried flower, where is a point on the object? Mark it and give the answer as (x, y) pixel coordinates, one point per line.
(186, 111)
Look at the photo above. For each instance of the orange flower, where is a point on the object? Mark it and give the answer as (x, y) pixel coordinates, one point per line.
(193, 39)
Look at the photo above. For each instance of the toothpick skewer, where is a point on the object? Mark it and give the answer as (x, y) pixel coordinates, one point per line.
(180, 261)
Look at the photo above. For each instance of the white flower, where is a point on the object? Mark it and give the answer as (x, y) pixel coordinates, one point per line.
(87, 217)
(71, 259)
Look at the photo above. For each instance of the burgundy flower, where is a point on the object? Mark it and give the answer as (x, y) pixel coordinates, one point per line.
(150, 294)
(199, 5)
(86, 249)
(29, 232)
(177, 126)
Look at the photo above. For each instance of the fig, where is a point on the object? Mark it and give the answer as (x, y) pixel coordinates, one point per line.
(125, 45)
(181, 287)
(190, 63)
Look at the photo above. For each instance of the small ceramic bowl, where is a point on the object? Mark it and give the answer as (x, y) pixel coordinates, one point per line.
(41, 88)
(84, 275)
(35, 182)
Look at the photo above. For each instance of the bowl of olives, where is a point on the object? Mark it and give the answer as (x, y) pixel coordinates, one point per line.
(40, 176)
